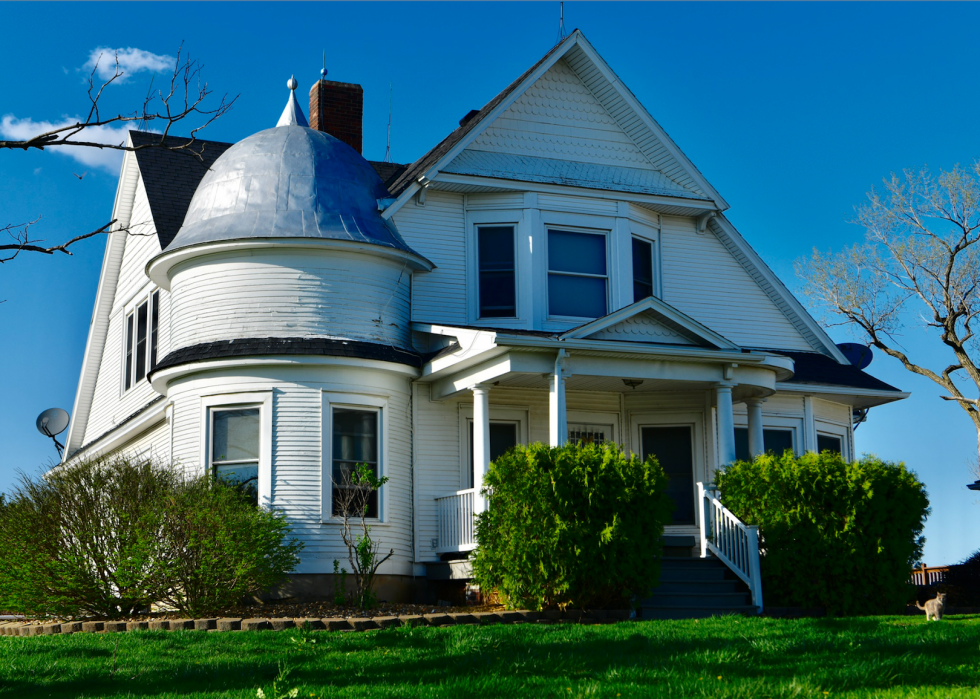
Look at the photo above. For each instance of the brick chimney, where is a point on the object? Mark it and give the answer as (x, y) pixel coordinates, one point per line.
(338, 109)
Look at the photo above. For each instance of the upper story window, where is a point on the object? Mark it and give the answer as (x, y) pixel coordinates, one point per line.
(356, 440)
(577, 274)
(496, 260)
(642, 269)
(235, 447)
(142, 330)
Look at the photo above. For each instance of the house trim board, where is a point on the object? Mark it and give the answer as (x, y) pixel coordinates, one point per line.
(122, 210)
(149, 416)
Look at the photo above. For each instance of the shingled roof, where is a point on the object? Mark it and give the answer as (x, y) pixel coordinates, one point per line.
(171, 177)
(814, 368)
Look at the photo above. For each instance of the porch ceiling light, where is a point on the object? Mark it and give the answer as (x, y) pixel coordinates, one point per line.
(633, 383)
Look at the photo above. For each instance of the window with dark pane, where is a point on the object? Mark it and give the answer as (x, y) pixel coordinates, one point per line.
(775, 441)
(577, 274)
(154, 327)
(827, 442)
(355, 442)
(503, 436)
(129, 350)
(140, 352)
(235, 448)
(642, 269)
(498, 282)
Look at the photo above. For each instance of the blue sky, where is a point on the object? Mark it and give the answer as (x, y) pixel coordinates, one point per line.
(793, 111)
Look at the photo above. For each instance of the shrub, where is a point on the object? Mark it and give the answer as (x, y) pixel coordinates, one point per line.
(110, 536)
(220, 547)
(838, 535)
(577, 525)
(83, 539)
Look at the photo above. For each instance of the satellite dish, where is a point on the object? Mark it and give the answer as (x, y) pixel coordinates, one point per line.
(51, 423)
(859, 356)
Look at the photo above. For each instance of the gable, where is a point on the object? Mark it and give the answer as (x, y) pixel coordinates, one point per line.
(650, 320)
(645, 327)
(557, 131)
(569, 108)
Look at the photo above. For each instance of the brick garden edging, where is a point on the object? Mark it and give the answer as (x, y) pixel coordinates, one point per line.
(572, 616)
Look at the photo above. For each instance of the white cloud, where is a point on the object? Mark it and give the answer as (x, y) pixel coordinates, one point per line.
(110, 160)
(131, 61)
(37, 171)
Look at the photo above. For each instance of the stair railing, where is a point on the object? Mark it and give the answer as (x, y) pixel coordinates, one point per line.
(731, 540)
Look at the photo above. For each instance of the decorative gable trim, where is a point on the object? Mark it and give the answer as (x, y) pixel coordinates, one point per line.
(621, 104)
(122, 211)
(667, 316)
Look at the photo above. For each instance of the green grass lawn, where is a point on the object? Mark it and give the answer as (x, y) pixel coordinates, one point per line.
(722, 657)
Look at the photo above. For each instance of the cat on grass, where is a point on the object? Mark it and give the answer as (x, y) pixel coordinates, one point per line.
(934, 608)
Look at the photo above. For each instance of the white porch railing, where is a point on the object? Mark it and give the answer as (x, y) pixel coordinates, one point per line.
(735, 543)
(454, 518)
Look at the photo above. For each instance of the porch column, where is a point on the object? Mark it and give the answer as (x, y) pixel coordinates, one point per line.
(481, 442)
(557, 417)
(757, 444)
(726, 423)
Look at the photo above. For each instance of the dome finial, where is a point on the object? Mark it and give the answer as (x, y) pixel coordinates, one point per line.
(292, 115)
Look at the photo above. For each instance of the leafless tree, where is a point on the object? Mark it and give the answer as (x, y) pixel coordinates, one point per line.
(919, 264)
(353, 496)
(183, 98)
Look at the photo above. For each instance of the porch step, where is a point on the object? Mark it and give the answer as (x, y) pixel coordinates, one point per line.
(692, 588)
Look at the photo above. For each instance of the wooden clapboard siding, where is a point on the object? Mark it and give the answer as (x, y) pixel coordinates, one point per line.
(297, 449)
(436, 231)
(702, 279)
(831, 412)
(153, 443)
(286, 293)
(110, 403)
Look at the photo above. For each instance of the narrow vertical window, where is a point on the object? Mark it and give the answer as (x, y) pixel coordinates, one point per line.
(235, 448)
(154, 327)
(498, 295)
(577, 274)
(140, 350)
(129, 350)
(355, 442)
(642, 269)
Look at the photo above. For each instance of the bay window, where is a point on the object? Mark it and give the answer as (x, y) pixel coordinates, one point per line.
(497, 272)
(577, 274)
(355, 440)
(235, 438)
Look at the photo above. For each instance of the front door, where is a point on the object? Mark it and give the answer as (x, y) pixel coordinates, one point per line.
(674, 448)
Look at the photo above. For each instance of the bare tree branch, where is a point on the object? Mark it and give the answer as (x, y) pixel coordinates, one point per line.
(921, 259)
(184, 99)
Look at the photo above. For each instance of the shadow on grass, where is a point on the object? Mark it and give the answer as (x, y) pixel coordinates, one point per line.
(832, 654)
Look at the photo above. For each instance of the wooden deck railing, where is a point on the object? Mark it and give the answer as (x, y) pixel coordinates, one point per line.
(454, 519)
(925, 575)
(735, 543)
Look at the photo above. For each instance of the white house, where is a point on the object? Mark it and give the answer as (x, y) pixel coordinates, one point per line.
(554, 269)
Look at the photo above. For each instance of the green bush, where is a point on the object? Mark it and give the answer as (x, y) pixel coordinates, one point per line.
(220, 547)
(838, 535)
(108, 537)
(578, 525)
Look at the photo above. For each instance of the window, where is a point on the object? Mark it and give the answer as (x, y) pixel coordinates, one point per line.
(586, 433)
(642, 269)
(503, 436)
(142, 331)
(355, 441)
(577, 274)
(776, 441)
(235, 447)
(828, 442)
(498, 296)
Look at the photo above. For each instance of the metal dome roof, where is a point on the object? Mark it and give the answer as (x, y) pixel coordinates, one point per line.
(289, 181)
